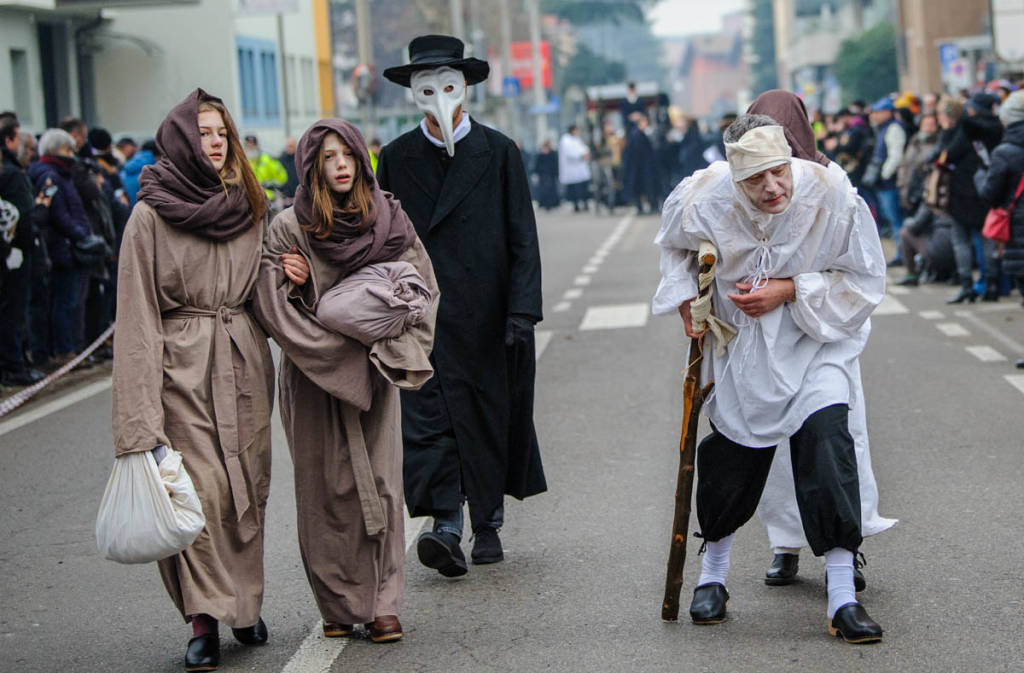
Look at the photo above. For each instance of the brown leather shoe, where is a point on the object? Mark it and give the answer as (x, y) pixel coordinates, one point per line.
(334, 630)
(386, 629)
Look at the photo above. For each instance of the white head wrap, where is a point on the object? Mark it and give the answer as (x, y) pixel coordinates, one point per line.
(757, 150)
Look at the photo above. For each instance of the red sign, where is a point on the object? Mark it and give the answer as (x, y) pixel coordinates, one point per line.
(522, 63)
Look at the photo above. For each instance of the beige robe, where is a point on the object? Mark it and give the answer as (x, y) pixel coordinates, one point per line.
(339, 408)
(192, 370)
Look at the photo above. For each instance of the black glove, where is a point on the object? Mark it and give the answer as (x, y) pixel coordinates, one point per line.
(517, 328)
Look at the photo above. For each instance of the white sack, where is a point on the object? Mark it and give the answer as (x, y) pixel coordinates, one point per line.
(148, 512)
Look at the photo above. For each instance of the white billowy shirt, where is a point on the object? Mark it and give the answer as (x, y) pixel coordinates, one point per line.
(799, 358)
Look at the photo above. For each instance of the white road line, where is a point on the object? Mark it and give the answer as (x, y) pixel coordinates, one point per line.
(542, 338)
(573, 293)
(898, 289)
(932, 315)
(997, 334)
(890, 306)
(1015, 380)
(986, 353)
(999, 307)
(590, 268)
(596, 260)
(952, 329)
(58, 404)
(616, 316)
(561, 307)
(581, 280)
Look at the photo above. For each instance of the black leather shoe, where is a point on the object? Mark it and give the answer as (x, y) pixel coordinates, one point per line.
(252, 635)
(441, 551)
(852, 623)
(203, 653)
(24, 377)
(909, 280)
(709, 603)
(966, 295)
(783, 570)
(1020, 364)
(486, 546)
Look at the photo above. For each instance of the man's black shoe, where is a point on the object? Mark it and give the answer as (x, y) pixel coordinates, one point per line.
(709, 602)
(852, 623)
(441, 551)
(783, 570)
(486, 546)
(203, 653)
(1020, 364)
(252, 635)
(24, 377)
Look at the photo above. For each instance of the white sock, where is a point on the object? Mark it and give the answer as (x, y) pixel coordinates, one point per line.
(715, 565)
(839, 570)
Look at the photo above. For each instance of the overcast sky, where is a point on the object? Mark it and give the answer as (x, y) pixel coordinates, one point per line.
(683, 17)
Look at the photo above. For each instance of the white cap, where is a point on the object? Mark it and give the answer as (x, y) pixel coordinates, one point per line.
(757, 150)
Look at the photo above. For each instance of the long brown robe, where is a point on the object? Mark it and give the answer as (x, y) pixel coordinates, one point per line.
(192, 370)
(340, 412)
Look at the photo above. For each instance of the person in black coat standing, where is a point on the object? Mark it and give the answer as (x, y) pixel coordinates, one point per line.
(469, 431)
(1001, 186)
(640, 168)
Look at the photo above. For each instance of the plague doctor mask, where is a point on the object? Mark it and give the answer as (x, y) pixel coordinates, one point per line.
(439, 92)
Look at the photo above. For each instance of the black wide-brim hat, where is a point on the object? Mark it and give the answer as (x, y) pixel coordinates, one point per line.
(434, 51)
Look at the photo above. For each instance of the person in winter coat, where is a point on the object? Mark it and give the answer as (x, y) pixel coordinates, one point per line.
(1001, 184)
(965, 130)
(545, 167)
(338, 397)
(16, 271)
(192, 367)
(691, 151)
(640, 168)
(133, 169)
(469, 432)
(67, 224)
(890, 140)
(574, 168)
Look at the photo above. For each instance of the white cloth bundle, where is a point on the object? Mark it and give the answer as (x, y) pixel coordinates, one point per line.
(379, 301)
(148, 512)
(701, 315)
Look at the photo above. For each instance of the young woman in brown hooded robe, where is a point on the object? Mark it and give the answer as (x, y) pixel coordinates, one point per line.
(338, 398)
(192, 369)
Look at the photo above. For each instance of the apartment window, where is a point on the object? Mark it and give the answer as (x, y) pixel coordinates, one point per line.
(20, 83)
(258, 81)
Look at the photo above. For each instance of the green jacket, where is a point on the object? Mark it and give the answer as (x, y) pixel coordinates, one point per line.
(269, 173)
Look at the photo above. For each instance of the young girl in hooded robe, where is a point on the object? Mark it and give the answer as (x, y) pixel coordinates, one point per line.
(338, 397)
(192, 368)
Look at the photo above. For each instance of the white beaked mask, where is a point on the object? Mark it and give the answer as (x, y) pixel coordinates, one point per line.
(438, 92)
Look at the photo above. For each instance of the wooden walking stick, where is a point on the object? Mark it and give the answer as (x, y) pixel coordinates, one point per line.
(693, 399)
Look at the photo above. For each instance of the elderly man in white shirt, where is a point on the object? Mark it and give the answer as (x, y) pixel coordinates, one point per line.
(574, 168)
(800, 270)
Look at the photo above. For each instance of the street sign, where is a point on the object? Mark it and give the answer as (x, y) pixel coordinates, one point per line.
(947, 54)
(522, 63)
(510, 87)
(1007, 28)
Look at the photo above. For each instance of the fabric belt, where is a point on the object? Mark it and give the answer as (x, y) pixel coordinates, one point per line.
(366, 487)
(225, 393)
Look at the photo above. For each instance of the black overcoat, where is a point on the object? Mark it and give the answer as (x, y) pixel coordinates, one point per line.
(476, 221)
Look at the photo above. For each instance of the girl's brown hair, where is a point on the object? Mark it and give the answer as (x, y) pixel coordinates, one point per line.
(236, 169)
(358, 202)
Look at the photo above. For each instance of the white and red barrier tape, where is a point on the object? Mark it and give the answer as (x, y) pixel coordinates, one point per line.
(19, 398)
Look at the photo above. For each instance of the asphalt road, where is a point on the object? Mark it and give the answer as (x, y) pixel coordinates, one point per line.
(581, 586)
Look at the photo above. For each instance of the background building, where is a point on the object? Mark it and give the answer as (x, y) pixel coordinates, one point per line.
(945, 44)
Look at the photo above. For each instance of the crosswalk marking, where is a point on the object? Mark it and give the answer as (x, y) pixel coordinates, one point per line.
(898, 289)
(573, 293)
(986, 353)
(952, 329)
(1015, 380)
(890, 306)
(615, 316)
(932, 315)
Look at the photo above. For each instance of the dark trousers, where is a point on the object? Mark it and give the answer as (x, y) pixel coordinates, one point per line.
(65, 295)
(14, 300)
(731, 477)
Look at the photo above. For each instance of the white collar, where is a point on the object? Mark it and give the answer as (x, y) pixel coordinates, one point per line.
(460, 131)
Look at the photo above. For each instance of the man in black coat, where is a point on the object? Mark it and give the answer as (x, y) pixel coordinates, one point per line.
(469, 432)
(640, 168)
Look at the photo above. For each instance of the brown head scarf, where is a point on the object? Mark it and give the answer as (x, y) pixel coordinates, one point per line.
(350, 245)
(184, 188)
(788, 110)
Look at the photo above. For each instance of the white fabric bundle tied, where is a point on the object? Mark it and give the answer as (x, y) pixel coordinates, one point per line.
(148, 512)
(701, 316)
(758, 150)
(379, 301)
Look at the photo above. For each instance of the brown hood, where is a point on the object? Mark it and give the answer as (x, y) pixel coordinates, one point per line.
(788, 110)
